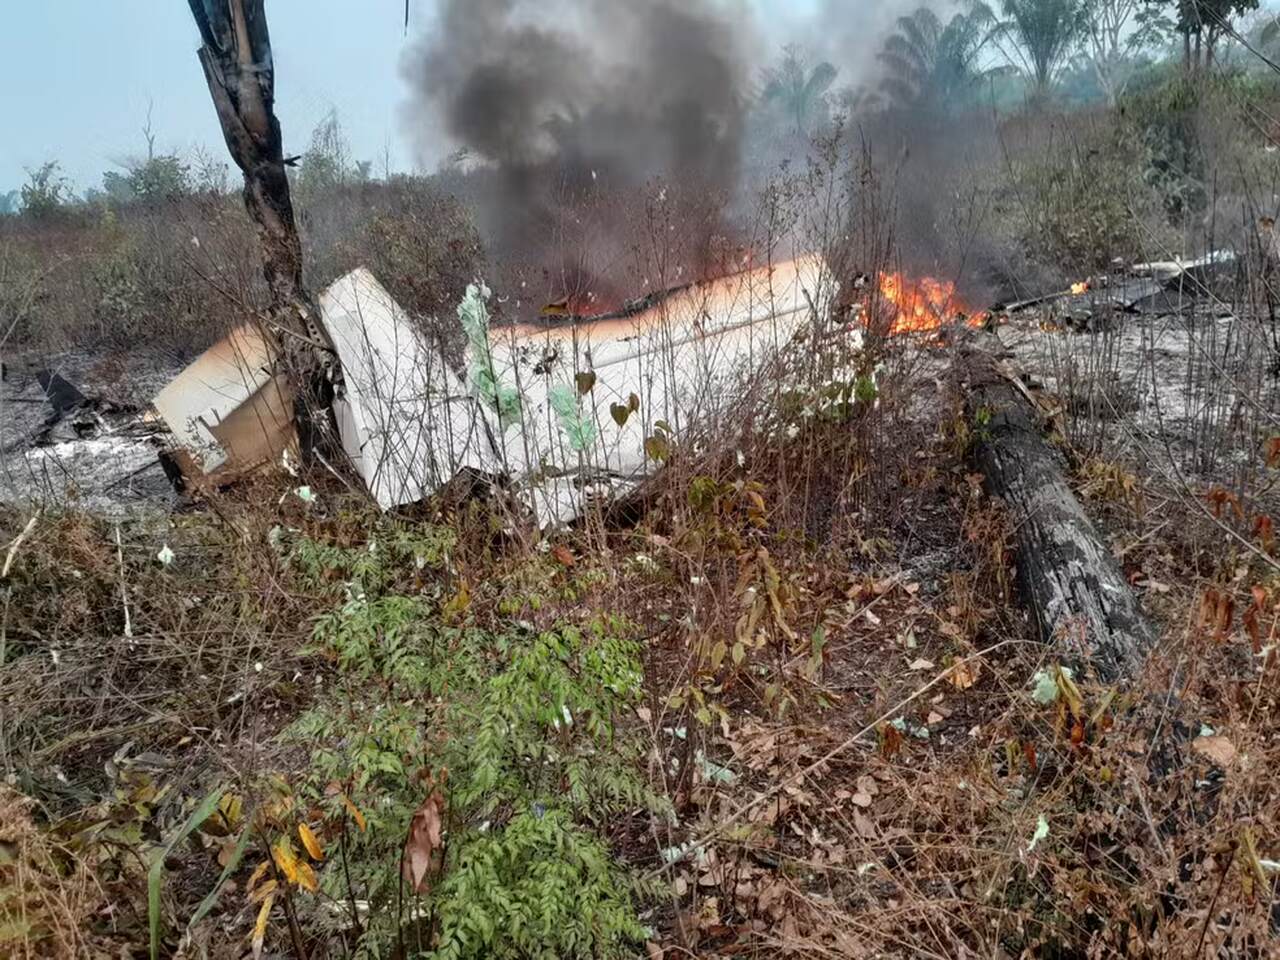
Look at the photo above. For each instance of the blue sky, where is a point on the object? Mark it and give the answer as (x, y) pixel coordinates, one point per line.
(77, 76)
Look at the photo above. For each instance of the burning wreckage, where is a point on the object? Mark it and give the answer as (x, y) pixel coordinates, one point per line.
(566, 409)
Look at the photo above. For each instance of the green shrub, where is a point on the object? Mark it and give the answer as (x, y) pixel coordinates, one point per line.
(514, 732)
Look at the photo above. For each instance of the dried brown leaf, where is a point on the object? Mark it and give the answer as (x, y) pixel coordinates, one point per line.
(1216, 748)
(964, 674)
(423, 843)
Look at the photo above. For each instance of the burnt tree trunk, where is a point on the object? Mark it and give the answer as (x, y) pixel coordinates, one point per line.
(238, 67)
(1067, 574)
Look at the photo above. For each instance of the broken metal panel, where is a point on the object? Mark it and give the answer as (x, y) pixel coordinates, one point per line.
(197, 403)
(1199, 269)
(405, 418)
(259, 431)
(685, 358)
(63, 396)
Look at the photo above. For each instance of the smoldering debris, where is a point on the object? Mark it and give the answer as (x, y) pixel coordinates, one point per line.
(564, 413)
(63, 439)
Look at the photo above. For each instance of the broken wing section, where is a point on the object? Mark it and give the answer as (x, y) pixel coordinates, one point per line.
(406, 420)
(229, 413)
(684, 360)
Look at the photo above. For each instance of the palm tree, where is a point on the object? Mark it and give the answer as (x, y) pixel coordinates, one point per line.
(795, 89)
(1039, 36)
(932, 64)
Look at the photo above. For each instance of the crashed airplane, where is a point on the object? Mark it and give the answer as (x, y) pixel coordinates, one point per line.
(565, 409)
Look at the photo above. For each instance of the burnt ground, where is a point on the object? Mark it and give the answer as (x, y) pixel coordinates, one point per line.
(102, 458)
(1180, 382)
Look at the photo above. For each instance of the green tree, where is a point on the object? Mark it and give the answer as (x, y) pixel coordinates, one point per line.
(1039, 36)
(932, 64)
(46, 191)
(800, 93)
(10, 203)
(163, 177)
(327, 164)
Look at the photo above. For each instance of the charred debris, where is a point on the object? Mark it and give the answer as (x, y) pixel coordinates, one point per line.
(532, 403)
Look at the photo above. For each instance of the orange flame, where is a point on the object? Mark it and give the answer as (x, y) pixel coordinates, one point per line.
(922, 304)
(1078, 288)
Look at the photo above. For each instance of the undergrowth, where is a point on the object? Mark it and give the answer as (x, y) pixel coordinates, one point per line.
(509, 741)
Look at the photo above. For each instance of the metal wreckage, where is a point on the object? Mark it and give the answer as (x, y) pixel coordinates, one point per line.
(564, 410)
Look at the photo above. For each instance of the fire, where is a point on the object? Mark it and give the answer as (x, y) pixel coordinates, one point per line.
(1079, 288)
(922, 304)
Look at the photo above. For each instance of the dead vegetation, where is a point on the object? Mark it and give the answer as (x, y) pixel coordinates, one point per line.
(789, 698)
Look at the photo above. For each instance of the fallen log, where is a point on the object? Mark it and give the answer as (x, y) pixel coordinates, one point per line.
(1068, 577)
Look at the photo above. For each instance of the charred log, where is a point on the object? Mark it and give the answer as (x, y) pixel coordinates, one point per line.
(238, 67)
(1068, 577)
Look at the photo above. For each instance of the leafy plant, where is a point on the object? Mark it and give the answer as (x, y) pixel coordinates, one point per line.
(155, 873)
(46, 191)
(480, 769)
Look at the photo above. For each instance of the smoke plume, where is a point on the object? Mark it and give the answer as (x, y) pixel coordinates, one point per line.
(568, 113)
(564, 103)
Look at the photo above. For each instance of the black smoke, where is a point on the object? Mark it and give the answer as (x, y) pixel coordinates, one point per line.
(567, 107)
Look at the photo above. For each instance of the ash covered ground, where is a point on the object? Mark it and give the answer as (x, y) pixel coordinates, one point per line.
(102, 457)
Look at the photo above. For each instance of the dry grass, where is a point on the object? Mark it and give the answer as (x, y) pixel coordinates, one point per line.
(47, 897)
(838, 675)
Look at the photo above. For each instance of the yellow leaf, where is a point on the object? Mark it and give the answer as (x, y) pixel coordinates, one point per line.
(257, 875)
(307, 877)
(231, 807)
(1251, 855)
(276, 810)
(458, 604)
(260, 927)
(268, 889)
(225, 817)
(286, 860)
(310, 842)
(356, 815)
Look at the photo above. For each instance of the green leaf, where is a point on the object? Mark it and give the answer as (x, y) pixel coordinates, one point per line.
(657, 448)
(1045, 688)
(619, 413)
(865, 390)
(155, 875)
(816, 645)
